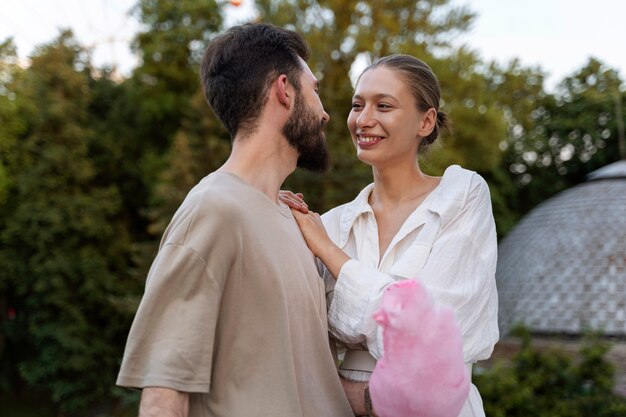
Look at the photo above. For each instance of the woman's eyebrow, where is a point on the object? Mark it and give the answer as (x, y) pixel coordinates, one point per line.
(376, 96)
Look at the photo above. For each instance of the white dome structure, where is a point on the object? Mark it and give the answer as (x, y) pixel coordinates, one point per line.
(562, 269)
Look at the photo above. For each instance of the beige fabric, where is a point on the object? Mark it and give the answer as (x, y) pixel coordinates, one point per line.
(234, 311)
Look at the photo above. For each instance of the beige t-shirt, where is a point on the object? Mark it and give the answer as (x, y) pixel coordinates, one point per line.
(234, 311)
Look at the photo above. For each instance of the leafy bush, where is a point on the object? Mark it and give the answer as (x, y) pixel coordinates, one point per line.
(552, 383)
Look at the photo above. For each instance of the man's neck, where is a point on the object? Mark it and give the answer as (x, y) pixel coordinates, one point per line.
(262, 161)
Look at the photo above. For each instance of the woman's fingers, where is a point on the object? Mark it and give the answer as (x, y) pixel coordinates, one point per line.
(294, 201)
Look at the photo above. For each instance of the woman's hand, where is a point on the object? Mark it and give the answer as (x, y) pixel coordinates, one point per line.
(294, 201)
(319, 243)
(313, 230)
(355, 392)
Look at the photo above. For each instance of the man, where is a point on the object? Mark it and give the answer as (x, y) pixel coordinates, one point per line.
(233, 319)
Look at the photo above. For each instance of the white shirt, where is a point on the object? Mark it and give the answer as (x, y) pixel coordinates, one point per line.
(448, 243)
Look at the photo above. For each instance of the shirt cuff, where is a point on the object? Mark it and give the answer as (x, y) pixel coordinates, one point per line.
(356, 297)
(145, 382)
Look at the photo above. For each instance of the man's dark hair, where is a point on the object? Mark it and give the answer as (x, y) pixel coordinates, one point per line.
(239, 65)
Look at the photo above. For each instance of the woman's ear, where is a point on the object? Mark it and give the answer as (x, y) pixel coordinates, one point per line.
(428, 123)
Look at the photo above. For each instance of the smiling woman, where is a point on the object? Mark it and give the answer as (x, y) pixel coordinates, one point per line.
(406, 225)
(383, 105)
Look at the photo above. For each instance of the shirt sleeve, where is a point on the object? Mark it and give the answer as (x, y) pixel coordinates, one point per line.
(171, 340)
(459, 273)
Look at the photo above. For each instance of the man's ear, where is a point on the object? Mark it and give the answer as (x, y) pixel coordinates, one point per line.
(284, 91)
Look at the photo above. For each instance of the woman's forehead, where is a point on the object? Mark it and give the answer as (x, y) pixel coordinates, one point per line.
(381, 80)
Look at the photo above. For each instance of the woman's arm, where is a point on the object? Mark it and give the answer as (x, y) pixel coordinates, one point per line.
(459, 271)
(314, 232)
(319, 242)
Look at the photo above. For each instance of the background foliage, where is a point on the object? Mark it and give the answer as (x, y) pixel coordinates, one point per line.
(552, 384)
(92, 168)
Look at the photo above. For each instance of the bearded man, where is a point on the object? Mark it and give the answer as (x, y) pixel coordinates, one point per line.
(233, 318)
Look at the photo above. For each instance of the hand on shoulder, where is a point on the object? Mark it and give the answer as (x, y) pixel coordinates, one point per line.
(294, 201)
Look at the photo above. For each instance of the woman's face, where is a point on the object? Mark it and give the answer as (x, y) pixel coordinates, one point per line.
(385, 124)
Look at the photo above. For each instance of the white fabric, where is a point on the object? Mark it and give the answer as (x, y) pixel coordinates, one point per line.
(448, 243)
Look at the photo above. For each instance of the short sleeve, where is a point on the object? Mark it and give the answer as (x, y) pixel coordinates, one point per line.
(171, 340)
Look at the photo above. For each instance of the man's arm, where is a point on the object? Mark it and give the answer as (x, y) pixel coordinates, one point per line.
(163, 402)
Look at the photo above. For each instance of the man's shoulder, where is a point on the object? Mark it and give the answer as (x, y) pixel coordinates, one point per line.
(215, 192)
(212, 203)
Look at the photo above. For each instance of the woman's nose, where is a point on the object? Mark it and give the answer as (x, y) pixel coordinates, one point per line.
(365, 118)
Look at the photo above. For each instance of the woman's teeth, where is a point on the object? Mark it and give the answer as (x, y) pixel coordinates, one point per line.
(369, 139)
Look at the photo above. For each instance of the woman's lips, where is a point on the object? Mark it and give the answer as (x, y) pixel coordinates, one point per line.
(368, 141)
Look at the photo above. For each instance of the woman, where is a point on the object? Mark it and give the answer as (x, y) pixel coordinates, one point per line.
(406, 225)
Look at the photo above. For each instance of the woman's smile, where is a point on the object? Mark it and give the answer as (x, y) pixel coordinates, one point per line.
(366, 141)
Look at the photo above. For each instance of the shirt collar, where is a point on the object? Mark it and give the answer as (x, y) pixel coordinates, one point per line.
(353, 210)
(445, 200)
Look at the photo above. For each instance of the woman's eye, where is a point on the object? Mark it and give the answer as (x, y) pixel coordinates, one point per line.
(384, 106)
(356, 106)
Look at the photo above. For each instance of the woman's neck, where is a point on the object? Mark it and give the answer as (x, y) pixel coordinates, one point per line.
(396, 184)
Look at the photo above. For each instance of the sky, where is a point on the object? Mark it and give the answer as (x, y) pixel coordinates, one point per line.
(557, 35)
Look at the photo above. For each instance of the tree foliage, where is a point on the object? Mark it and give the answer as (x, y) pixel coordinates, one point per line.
(64, 253)
(171, 46)
(565, 135)
(10, 121)
(552, 383)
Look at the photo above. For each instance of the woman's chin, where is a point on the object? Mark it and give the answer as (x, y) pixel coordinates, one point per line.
(363, 157)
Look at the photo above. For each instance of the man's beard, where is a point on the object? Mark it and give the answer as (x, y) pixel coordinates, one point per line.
(305, 132)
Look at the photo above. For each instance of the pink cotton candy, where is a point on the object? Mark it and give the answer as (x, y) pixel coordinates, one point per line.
(422, 373)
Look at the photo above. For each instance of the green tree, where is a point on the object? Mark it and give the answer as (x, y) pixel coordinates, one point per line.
(201, 146)
(171, 47)
(570, 134)
(170, 118)
(64, 251)
(11, 127)
(518, 91)
(10, 120)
